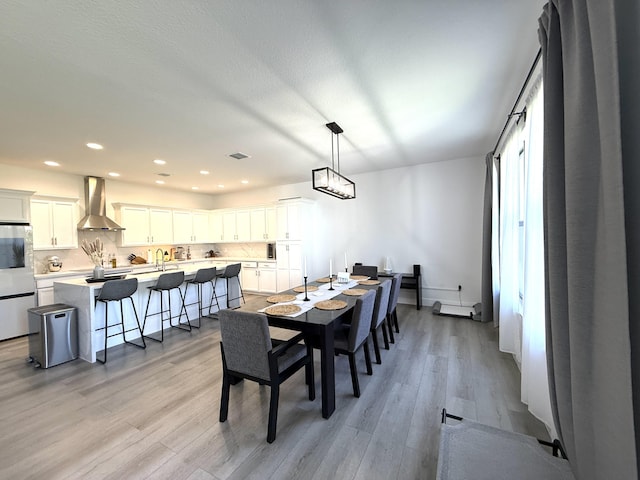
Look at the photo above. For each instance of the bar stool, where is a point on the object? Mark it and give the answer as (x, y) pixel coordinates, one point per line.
(116, 291)
(204, 275)
(167, 282)
(230, 272)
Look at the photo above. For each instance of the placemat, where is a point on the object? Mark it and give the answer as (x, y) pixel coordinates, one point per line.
(282, 309)
(354, 292)
(331, 304)
(323, 280)
(358, 277)
(310, 288)
(369, 282)
(282, 297)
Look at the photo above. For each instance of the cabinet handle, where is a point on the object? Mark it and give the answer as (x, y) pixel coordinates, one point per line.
(55, 240)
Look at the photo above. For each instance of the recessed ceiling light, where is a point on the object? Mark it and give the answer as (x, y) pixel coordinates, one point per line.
(244, 182)
(195, 188)
(220, 186)
(160, 182)
(114, 174)
(204, 172)
(51, 163)
(157, 161)
(95, 146)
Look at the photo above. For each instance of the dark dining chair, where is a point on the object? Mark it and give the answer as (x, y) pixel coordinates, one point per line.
(392, 314)
(379, 317)
(249, 352)
(350, 339)
(370, 271)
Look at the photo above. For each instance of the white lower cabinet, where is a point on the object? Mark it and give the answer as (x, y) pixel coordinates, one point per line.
(258, 277)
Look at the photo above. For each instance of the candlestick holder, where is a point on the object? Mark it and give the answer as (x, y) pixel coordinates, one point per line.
(331, 282)
(306, 298)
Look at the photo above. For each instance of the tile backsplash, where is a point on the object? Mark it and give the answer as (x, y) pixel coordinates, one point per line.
(75, 259)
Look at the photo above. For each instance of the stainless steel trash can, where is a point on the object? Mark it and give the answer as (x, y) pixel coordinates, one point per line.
(53, 337)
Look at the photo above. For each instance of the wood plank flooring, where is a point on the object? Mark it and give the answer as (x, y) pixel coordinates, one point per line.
(154, 413)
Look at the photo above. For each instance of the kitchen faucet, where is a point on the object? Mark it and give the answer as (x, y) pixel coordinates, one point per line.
(162, 257)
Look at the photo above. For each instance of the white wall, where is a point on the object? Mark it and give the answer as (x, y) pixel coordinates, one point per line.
(429, 214)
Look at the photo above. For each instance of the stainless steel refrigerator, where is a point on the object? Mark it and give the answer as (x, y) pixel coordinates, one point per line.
(17, 282)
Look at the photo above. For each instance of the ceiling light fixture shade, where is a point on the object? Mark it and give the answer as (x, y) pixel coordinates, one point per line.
(329, 180)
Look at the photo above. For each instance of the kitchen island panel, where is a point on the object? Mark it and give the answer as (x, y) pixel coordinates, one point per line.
(80, 294)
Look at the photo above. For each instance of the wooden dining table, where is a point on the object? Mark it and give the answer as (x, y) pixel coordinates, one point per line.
(318, 327)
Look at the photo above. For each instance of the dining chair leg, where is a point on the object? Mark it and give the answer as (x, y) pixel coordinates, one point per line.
(273, 413)
(354, 375)
(389, 323)
(395, 318)
(226, 386)
(376, 347)
(367, 357)
(385, 337)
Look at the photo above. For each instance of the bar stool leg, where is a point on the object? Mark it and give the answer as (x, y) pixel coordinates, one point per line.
(180, 325)
(213, 296)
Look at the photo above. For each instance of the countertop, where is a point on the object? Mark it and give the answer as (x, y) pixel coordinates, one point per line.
(180, 264)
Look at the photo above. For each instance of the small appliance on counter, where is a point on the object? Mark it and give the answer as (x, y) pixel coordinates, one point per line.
(271, 250)
(54, 263)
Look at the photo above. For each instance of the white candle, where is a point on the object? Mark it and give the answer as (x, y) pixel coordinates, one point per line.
(330, 268)
(346, 265)
(305, 266)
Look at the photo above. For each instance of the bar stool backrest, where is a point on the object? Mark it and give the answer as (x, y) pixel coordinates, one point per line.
(204, 275)
(118, 289)
(232, 270)
(167, 281)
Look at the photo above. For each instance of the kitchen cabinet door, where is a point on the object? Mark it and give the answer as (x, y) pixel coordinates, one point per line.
(160, 226)
(258, 225)
(229, 226)
(267, 274)
(135, 221)
(289, 265)
(54, 224)
(182, 227)
(243, 225)
(200, 230)
(216, 227)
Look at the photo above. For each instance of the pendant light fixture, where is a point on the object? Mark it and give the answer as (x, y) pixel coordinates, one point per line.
(328, 180)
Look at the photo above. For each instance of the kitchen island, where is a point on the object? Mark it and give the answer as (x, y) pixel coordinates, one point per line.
(81, 294)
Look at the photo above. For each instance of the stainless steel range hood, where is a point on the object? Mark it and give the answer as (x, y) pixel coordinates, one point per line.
(95, 203)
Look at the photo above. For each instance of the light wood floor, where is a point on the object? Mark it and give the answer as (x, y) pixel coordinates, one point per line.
(154, 413)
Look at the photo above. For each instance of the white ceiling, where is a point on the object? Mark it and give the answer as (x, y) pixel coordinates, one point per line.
(191, 82)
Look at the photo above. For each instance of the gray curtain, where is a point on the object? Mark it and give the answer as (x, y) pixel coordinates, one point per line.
(590, 331)
(487, 277)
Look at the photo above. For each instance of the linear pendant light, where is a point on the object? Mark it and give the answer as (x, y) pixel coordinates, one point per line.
(328, 180)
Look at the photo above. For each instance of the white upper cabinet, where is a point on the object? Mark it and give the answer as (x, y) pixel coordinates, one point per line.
(293, 219)
(144, 225)
(54, 223)
(216, 226)
(190, 227)
(236, 226)
(14, 206)
(263, 224)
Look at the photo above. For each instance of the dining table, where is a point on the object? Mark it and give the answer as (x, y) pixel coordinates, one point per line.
(317, 325)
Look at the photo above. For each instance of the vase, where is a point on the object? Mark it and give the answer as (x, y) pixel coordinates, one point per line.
(98, 271)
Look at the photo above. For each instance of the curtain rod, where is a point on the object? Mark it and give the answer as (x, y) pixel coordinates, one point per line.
(513, 110)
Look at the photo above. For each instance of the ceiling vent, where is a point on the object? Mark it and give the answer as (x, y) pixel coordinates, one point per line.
(239, 155)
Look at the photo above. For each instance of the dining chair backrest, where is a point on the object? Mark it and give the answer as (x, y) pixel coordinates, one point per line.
(395, 292)
(204, 275)
(232, 270)
(361, 320)
(167, 281)
(246, 342)
(370, 271)
(382, 301)
(118, 289)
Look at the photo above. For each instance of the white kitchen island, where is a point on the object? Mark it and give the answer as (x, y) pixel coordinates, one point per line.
(81, 294)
